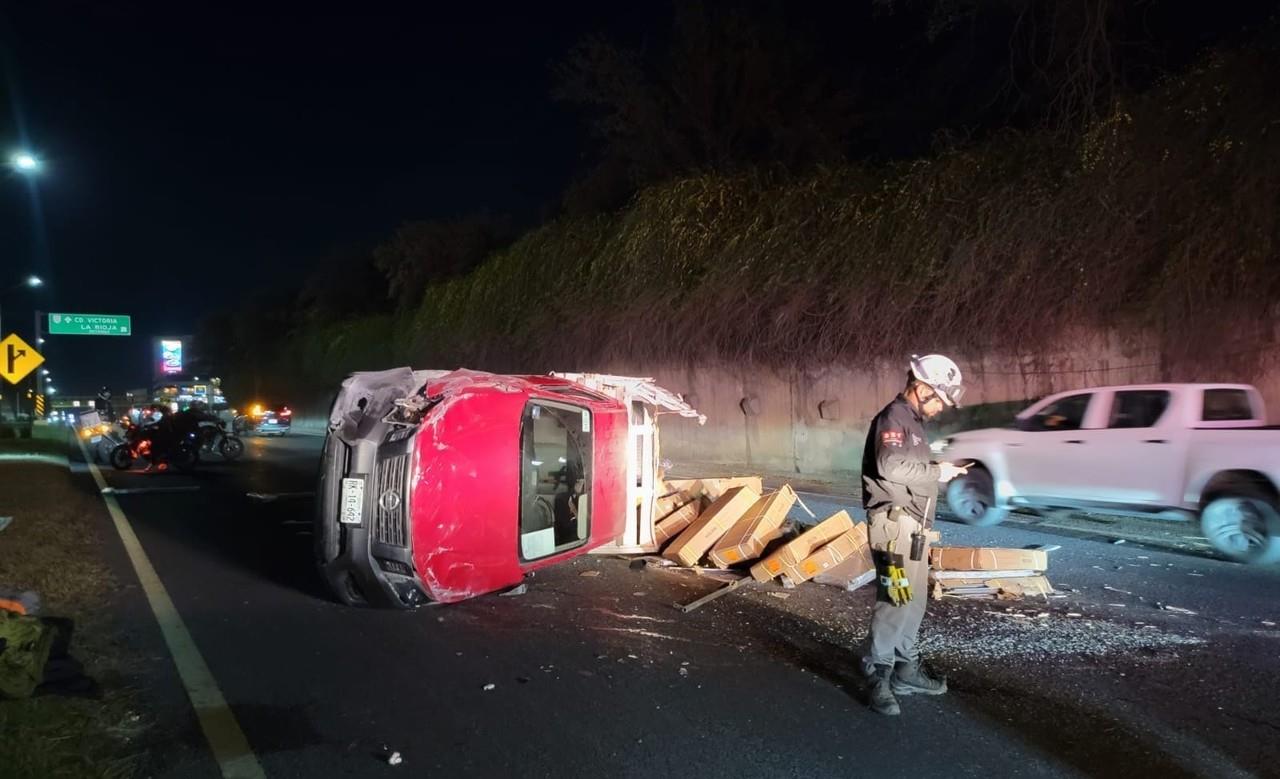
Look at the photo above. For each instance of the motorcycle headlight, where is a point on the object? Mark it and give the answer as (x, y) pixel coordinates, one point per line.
(940, 446)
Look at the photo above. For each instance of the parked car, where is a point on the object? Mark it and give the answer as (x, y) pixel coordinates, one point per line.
(1174, 450)
(444, 485)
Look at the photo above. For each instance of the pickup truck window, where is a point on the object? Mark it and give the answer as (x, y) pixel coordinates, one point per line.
(1062, 414)
(1226, 405)
(555, 478)
(1138, 408)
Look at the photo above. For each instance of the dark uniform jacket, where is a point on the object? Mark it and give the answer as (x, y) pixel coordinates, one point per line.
(897, 467)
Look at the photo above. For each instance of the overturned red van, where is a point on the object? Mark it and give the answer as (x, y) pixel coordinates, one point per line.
(443, 485)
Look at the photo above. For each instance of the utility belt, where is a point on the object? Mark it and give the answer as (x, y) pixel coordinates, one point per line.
(898, 526)
(897, 514)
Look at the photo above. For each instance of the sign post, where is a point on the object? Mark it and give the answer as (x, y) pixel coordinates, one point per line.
(90, 324)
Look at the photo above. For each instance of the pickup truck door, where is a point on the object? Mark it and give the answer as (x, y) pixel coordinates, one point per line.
(1048, 449)
(1139, 458)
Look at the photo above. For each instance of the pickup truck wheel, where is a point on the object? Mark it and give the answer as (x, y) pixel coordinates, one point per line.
(972, 498)
(1244, 526)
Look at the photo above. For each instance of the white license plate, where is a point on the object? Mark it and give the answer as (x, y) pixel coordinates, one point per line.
(352, 501)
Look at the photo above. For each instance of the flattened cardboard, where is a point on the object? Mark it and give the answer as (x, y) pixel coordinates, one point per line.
(695, 540)
(676, 521)
(829, 556)
(851, 574)
(801, 547)
(971, 558)
(1017, 587)
(761, 524)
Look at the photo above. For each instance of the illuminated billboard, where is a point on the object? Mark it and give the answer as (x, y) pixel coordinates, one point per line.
(170, 356)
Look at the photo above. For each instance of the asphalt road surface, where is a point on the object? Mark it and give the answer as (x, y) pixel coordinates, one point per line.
(1148, 663)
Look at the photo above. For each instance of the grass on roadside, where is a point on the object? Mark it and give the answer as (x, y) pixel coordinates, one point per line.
(54, 546)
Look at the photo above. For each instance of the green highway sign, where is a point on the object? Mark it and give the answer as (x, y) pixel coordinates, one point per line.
(90, 324)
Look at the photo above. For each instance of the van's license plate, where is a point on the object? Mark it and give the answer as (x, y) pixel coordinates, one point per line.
(352, 501)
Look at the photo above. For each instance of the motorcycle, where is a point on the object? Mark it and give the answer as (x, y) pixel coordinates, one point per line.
(102, 438)
(215, 438)
(147, 442)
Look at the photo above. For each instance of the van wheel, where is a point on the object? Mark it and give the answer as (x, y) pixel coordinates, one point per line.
(1243, 525)
(972, 498)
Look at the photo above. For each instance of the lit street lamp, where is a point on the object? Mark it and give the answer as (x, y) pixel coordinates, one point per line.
(24, 162)
(31, 282)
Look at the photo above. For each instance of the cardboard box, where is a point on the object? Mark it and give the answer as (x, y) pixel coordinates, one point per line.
(852, 574)
(804, 545)
(829, 556)
(713, 488)
(750, 535)
(676, 522)
(669, 504)
(695, 540)
(970, 558)
(1015, 587)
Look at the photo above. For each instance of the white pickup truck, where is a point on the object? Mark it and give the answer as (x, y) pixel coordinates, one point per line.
(1174, 450)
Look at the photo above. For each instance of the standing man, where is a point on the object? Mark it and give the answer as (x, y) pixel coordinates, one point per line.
(900, 492)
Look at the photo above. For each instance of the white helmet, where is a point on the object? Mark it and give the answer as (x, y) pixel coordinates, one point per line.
(940, 373)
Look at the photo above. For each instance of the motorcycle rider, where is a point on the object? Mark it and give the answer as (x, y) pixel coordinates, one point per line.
(187, 421)
(102, 404)
(899, 491)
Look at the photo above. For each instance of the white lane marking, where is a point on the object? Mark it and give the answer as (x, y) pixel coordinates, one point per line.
(227, 741)
(145, 490)
(267, 497)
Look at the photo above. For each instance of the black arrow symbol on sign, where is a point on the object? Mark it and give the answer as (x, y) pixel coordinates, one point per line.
(14, 354)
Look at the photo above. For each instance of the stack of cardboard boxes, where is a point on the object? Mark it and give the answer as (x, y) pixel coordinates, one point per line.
(972, 572)
(730, 522)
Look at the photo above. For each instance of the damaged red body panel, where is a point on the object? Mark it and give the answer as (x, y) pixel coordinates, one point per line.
(443, 486)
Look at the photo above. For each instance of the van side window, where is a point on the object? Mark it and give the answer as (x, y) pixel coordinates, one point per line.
(555, 478)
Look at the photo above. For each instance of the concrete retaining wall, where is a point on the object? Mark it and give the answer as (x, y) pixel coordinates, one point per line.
(813, 423)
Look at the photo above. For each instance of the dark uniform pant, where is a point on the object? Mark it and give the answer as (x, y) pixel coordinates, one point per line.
(896, 629)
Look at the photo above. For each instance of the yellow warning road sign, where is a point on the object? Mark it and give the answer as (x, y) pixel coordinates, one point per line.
(17, 359)
(40, 406)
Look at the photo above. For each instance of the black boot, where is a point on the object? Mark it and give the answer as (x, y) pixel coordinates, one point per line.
(883, 700)
(911, 679)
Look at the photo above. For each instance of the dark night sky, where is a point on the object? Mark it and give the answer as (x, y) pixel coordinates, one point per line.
(220, 150)
(199, 153)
